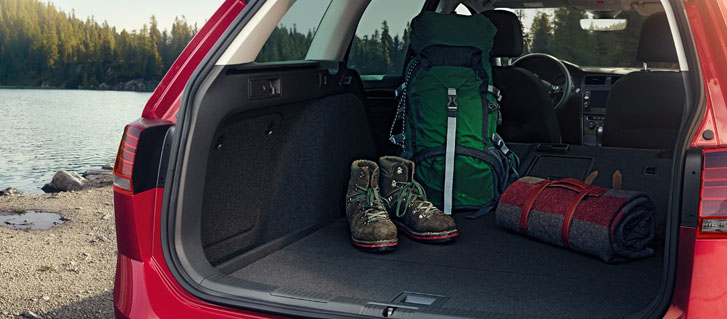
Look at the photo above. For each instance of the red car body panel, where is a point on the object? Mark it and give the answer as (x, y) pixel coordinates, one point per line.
(164, 102)
(145, 288)
(707, 280)
(708, 21)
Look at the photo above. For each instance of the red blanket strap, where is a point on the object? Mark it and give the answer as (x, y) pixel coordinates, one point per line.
(575, 185)
(528, 205)
(568, 218)
(571, 183)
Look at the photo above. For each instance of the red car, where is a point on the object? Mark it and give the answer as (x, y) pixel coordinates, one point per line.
(229, 189)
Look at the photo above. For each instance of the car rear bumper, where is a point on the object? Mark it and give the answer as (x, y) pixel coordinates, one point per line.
(147, 290)
(144, 286)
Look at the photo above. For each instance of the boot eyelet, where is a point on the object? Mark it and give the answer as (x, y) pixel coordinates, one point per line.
(393, 183)
(360, 175)
(399, 171)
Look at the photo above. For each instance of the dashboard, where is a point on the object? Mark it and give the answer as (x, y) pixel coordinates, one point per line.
(581, 111)
(594, 100)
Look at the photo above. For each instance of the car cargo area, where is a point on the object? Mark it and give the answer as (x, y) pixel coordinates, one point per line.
(272, 216)
(486, 271)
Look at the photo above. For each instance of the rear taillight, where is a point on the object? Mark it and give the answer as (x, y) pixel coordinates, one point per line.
(713, 199)
(124, 166)
(128, 149)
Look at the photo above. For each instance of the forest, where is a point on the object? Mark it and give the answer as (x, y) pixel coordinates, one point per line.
(554, 31)
(41, 46)
(560, 35)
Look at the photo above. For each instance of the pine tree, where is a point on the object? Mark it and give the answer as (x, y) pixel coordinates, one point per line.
(386, 46)
(542, 35)
(41, 45)
(526, 35)
(569, 41)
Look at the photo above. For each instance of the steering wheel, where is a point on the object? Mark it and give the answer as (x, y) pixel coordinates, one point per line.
(552, 72)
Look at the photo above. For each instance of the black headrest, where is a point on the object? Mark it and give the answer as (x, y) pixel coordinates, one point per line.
(656, 43)
(509, 36)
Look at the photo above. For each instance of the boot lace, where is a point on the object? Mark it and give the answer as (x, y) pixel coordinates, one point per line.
(373, 206)
(408, 193)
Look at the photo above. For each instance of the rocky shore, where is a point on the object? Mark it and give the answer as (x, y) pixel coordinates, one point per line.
(65, 181)
(66, 271)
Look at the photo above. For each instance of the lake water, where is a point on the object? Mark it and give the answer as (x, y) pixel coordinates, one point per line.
(43, 131)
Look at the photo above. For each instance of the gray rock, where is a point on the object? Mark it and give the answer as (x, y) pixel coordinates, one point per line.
(64, 181)
(30, 315)
(48, 188)
(98, 178)
(108, 166)
(95, 173)
(10, 192)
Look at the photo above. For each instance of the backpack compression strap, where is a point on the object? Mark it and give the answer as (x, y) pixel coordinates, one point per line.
(449, 151)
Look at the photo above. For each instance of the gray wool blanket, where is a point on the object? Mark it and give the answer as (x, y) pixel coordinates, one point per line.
(615, 225)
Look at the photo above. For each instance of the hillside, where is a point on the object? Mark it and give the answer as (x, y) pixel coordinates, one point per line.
(41, 46)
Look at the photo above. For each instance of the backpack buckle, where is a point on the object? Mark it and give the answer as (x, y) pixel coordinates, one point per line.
(397, 139)
(452, 104)
(495, 91)
(492, 107)
(499, 143)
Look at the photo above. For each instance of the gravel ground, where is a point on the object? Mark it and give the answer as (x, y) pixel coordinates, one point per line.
(66, 271)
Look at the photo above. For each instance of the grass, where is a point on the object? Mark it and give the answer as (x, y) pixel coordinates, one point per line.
(19, 211)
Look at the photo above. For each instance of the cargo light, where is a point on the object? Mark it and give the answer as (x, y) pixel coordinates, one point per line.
(713, 197)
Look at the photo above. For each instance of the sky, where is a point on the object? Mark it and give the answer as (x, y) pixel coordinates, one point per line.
(305, 14)
(132, 14)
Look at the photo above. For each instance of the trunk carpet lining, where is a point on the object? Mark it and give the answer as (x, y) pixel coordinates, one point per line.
(486, 269)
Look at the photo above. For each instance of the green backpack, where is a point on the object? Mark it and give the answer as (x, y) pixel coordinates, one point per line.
(452, 115)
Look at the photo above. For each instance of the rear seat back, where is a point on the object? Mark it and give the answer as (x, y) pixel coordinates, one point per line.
(645, 108)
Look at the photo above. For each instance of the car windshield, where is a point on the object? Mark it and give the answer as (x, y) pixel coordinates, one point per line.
(558, 32)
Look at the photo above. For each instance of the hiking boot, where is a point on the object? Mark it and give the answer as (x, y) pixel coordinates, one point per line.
(406, 200)
(371, 227)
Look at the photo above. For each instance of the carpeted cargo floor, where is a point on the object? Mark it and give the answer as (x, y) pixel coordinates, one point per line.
(485, 269)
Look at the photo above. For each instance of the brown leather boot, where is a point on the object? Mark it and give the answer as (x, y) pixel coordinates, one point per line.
(371, 227)
(407, 202)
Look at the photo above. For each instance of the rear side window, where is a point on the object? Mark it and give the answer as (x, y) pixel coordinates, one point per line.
(382, 37)
(293, 35)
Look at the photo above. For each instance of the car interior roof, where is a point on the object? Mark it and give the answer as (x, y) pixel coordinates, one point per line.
(344, 16)
(643, 7)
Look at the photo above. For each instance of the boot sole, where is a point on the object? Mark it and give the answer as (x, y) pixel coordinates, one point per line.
(429, 238)
(382, 246)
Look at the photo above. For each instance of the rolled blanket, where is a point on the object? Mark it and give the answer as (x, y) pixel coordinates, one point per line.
(614, 225)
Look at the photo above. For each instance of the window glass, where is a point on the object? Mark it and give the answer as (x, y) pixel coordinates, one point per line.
(382, 37)
(292, 37)
(558, 32)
